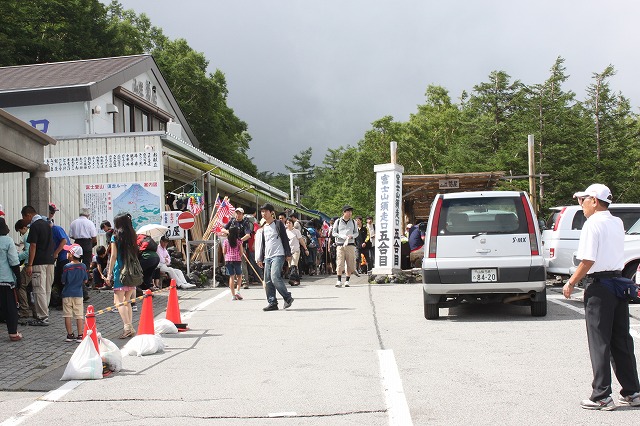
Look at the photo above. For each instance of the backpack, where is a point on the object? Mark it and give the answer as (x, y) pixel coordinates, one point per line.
(146, 243)
(313, 239)
(131, 272)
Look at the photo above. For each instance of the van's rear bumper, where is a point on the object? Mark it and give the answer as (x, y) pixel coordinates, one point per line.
(458, 281)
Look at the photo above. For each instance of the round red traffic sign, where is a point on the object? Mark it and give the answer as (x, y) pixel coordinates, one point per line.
(186, 220)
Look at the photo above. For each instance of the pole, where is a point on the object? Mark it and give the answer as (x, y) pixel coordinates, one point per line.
(186, 234)
(532, 172)
(291, 186)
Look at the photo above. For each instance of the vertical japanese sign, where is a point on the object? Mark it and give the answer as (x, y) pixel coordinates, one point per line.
(388, 217)
(170, 220)
(107, 200)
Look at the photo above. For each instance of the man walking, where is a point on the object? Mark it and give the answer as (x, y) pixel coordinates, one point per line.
(84, 233)
(345, 233)
(273, 251)
(600, 251)
(40, 264)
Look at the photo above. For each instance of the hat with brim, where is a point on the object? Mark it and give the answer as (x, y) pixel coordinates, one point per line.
(597, 190)
(53, 208)
(240, 210)
(75, 250)
(346, 207)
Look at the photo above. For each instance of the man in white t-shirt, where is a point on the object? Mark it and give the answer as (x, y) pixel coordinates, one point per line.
(601, 250)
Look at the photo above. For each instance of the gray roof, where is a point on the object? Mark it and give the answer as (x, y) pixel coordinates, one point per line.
(78, 81)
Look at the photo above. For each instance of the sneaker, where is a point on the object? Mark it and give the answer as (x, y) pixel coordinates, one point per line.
(134, 308)
(238, 297)
(346, 284)
(70, 338)
(632, 400)
(605, 404)
(270, 307)
(288, 303)
(39, 322)
(339, 284)
(246, 286)
(79, 338)
(186, 286)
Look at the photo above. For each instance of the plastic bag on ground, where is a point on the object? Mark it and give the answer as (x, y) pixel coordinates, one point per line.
(143, 344)
(164, 326)
(110, 353)
(85, 363)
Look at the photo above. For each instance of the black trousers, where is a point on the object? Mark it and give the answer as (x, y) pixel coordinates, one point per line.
(607, 319)
(9, 308)
(149, 265)
(87, 246)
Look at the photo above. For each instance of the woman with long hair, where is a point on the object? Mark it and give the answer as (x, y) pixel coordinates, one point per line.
(123, 242)
(232, 250)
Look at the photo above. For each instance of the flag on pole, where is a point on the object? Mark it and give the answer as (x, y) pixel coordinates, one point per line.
(224, 215)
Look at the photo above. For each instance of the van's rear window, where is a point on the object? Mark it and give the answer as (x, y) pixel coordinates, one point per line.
(491, 215)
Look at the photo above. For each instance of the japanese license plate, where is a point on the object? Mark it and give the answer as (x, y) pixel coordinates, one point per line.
(484, 275)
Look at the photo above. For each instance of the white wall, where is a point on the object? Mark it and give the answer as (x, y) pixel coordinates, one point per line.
(64, 119)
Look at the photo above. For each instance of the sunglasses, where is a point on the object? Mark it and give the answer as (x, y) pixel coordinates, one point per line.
(581, 199)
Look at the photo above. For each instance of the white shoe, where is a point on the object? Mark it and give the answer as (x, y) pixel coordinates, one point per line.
(339, 284)
(187, 285)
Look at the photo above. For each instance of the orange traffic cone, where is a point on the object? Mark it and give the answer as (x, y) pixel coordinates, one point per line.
(146, 317)
(90, 324)
(173, 309)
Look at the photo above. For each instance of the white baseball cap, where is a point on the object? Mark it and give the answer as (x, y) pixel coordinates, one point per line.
(596, 190)
(75, 250)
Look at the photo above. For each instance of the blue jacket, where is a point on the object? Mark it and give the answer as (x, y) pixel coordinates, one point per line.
(8, 258)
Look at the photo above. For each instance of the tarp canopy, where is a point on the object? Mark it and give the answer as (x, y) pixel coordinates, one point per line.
(235, 180)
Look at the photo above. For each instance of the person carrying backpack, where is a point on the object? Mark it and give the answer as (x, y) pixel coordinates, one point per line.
(345, 232)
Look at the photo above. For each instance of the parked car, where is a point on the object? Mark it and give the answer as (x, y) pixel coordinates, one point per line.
(560, 239)
(483, 247)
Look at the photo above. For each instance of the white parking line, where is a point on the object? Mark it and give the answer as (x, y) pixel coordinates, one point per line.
(42, 403)
(396, 401)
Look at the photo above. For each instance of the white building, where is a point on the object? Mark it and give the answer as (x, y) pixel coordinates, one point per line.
(122, 143)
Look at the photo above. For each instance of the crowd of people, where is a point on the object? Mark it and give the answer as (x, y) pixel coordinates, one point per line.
(51, 272)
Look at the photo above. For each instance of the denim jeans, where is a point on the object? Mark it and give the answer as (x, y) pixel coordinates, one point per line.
(273, 279)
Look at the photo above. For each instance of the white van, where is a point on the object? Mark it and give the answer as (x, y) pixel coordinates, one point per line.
(483, 247)
(560, 239)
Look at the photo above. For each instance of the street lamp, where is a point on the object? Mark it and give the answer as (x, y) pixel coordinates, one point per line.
(291, 181)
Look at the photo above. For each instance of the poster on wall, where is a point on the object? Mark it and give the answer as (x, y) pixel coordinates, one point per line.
(107, 200)
(170, 220)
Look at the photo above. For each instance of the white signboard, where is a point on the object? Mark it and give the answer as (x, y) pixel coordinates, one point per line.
(388, 217)
(107, 200)
(170, 220)
(449, 183)
(105, 163)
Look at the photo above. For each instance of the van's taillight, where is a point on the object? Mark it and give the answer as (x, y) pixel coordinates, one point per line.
(533, 238)
(557, 222)
(433, 237)
(552, 252)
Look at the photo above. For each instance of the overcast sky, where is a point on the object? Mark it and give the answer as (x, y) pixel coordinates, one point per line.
(307, 73)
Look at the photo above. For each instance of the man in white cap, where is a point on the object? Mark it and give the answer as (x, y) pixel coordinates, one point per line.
(601, 251)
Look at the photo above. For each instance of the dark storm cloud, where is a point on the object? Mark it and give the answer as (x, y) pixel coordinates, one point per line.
(318, 73)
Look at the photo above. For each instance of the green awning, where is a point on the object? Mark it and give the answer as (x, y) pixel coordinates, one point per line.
(232, 179)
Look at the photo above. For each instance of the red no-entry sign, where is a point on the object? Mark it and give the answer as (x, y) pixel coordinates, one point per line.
(186, 220)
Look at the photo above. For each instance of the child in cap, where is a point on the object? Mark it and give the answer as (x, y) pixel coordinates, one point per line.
(74, 276)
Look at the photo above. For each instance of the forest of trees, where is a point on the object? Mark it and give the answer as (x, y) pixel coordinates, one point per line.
(578, 141)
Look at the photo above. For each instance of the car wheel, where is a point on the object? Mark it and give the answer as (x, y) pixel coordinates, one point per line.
(539, 308)
(431, 311)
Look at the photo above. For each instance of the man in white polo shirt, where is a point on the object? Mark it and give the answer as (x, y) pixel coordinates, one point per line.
(600, 251)
(85, 234)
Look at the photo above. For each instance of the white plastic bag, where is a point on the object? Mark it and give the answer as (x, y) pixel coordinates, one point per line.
(85, 363)
(111, 354)
(165, 326)
(143, 344)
